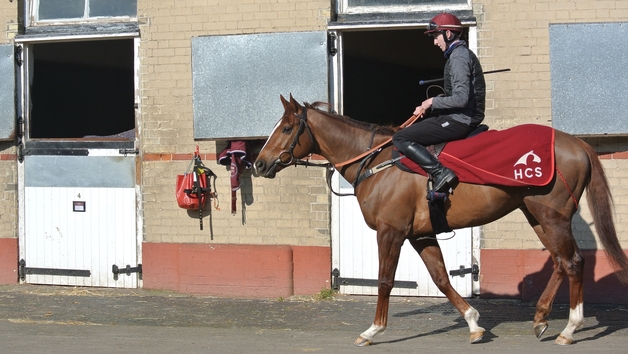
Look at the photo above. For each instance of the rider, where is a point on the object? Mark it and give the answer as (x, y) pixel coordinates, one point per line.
(460, 110)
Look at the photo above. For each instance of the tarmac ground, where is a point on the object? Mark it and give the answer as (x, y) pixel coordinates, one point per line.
(54, 319)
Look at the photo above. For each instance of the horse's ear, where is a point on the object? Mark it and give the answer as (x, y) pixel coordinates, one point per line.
(286, 104)
(294, 103)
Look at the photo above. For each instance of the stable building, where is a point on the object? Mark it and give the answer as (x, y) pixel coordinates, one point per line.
(104, 103)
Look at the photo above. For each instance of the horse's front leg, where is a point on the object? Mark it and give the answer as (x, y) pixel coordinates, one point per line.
(389, 242)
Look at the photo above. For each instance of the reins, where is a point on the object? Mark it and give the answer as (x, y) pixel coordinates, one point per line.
(374, 149)
(365, 157)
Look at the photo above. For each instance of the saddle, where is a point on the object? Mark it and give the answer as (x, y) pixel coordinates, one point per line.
(519, 156)
(436, 200)
(433, 149)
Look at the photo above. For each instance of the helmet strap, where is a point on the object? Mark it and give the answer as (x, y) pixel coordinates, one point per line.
(454, 36)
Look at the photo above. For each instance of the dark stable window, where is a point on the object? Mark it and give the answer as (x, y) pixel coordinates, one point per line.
(381, 73)
(83, 90)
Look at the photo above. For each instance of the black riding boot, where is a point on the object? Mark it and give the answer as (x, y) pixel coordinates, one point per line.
(442, 177)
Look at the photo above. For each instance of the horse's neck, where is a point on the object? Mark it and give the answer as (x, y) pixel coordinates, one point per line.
(340, 141)
(337, 140)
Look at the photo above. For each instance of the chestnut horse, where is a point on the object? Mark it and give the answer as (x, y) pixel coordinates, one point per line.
(394, 204)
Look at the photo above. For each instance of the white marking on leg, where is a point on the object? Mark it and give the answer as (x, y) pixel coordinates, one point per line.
(472, 316)
(372, 331)
(576, 319)
(477, 332)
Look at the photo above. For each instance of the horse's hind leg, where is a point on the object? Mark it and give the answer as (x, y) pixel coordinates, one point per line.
(431, 254)
(557, 237)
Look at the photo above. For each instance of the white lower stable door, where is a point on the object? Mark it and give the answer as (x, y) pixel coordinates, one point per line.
(80, 221)
(356, 258)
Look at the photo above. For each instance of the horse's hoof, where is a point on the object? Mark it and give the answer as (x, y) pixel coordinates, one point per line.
(476, 336)
(562, 340)
(362, 342)
(539, 329)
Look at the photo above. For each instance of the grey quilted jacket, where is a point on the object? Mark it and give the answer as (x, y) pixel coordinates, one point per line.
(465, 89)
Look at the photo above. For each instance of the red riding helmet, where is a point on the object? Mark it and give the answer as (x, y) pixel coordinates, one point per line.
(443, 22)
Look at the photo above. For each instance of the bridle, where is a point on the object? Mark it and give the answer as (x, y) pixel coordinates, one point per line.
(290, 152)
(303, 126)
(287, 158)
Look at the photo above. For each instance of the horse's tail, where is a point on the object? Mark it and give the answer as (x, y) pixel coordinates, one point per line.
(601, 206)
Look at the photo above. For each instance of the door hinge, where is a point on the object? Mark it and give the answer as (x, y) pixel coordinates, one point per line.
(462, 271)
(337, 281)
(20, 139)
(128, 270)
(54, 152)
(126, 152)
(18, 55)
(333, 47)
(23, 271)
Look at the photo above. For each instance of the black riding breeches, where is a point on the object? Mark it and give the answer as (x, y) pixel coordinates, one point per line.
(431, 131)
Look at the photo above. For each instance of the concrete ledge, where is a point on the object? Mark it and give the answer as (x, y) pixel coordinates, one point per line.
(236, 270)
(312, 269)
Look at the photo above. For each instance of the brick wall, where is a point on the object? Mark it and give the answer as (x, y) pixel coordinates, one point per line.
(515, 35)
(523, 274)
(293, 209)
(290, 209)
(8, 192)
(165, 51)
(237, 270)
(510, 35)
(8, 260)
(8, 17)
(8, 167)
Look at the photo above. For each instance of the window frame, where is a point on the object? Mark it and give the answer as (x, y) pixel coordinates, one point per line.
(24, 105)
(344, 8)
(32, 9)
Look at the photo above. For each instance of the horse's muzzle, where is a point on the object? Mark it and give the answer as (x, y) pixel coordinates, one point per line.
(262, 169)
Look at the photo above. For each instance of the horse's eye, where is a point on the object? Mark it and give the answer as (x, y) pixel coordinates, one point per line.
(287, 129)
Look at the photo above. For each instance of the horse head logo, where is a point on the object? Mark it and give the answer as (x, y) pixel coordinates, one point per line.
(523, 160)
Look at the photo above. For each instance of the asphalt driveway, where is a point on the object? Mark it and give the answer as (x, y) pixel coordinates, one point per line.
(52, 319)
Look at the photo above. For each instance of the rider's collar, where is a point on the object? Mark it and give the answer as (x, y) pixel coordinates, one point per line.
(452, 46)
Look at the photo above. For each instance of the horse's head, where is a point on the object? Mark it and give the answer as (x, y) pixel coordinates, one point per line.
(287, 143)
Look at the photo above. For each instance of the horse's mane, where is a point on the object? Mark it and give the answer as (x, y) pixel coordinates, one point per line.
(325, 108)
